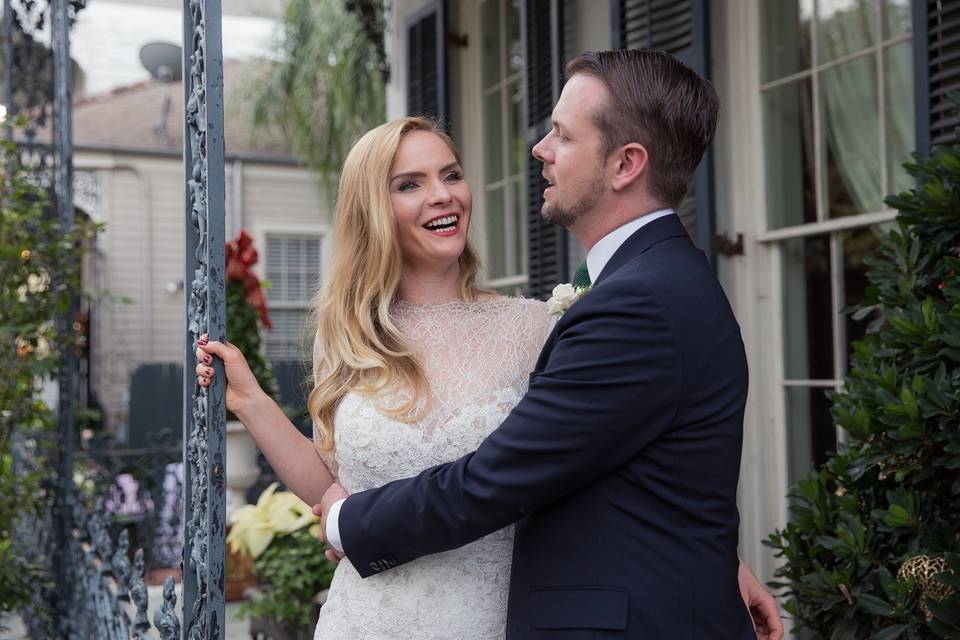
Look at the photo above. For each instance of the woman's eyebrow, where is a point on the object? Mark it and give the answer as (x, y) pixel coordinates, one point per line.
(421, 174)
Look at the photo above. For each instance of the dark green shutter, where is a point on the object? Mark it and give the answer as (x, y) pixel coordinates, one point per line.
(679, 27)
(543, 23)
(936, 49)
(426, 68)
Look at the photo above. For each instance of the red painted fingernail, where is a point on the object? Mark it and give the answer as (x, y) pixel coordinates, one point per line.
(202, 341)
(207, 359)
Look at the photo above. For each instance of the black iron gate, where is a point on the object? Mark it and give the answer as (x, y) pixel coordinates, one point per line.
(97, 580)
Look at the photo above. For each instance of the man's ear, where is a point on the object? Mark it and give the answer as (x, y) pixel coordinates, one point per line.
(629, 163)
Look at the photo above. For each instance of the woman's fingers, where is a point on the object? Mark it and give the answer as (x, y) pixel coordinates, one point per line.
(203, 356)
(204, 371)
(212, 348)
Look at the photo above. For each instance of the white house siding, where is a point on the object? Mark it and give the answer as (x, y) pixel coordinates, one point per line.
(141, 253)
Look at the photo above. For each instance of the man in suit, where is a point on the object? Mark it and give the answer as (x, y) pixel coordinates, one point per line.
(620, 465)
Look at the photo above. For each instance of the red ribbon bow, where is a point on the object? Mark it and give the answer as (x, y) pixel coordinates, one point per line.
(240, 256)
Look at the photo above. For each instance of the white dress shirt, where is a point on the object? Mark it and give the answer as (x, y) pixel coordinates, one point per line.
(597, 258)
(600, 254)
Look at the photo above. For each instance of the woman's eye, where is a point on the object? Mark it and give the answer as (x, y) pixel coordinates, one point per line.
(406, 185)
(454, 176)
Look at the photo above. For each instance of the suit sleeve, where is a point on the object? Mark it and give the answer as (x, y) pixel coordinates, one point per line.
(609, 387)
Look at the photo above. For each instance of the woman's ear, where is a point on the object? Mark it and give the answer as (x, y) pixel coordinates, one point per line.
(630, 161)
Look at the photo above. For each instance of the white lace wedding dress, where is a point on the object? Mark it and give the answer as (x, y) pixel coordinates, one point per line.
(477, 357)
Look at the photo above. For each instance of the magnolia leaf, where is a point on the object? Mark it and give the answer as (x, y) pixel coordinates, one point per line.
(873, 604)
(889, 633)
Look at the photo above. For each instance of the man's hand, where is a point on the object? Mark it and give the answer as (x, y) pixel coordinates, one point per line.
(762, 606)
(334, 492)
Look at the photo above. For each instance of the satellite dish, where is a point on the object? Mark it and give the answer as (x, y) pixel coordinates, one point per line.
(163, 60)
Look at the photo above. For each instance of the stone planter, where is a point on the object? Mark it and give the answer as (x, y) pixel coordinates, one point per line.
(242, 467)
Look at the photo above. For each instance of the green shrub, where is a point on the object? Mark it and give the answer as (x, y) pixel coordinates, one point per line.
(891, 494)
(296, 570)
(40, 268)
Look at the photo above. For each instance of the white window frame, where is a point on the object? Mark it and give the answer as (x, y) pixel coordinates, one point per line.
(320, 230)
(773, 239)
(511, 217)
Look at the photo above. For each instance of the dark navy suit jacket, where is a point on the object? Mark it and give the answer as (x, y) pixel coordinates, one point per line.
(619, 465)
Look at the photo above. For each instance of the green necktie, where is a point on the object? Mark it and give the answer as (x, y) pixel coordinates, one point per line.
(581, 278)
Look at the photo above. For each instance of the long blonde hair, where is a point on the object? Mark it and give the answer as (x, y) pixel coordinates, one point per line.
(359, 348)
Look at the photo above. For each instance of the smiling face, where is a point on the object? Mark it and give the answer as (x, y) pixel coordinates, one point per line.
(431, 201)
(571, 154)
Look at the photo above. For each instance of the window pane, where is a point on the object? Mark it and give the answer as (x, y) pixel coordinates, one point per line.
(858, 244)
(807, 309)
(285, 341)
(515, 53)
(811, 433)
(845, 26)
(788, 138)
(294, 269)
(275, 268)
(491, 43)
(851, 137)
(518, 190)
(492, 137)
(901, 135)
(896, 18)
(516, 160)
(496, 235)
(786, 37)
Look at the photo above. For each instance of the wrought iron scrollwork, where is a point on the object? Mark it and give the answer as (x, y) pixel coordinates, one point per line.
(204, 419)
(101, 578)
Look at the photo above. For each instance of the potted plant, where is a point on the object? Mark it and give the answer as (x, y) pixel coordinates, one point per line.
(246, 316)
(280, 534)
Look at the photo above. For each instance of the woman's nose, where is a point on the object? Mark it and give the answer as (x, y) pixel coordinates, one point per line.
(440, 194)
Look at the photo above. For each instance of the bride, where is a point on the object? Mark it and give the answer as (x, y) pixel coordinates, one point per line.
(413, 366)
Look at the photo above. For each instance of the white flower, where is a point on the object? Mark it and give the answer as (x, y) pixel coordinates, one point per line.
(564, 295)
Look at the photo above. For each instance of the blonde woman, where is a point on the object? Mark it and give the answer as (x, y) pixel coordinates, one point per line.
(414, 366)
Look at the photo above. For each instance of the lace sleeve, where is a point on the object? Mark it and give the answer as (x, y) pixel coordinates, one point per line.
(328, 458)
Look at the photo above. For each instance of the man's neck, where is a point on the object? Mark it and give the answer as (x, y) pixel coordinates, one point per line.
(596, 224)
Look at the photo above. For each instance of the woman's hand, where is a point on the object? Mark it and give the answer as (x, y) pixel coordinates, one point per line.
(243, 390)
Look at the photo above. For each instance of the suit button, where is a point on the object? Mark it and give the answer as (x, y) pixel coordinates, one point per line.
(373, 565)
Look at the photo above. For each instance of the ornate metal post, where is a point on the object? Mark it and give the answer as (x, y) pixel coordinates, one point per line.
(63, 188)
(205, 408)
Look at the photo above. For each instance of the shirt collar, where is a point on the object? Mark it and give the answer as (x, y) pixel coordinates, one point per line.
(600, 254)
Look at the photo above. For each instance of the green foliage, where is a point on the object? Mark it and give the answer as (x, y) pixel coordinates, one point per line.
(40, 268)
(326, 87)
(296, 570)
(893, 490)
(243, 331)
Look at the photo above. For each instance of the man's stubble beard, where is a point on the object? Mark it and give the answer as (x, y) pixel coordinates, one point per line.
(566, 217)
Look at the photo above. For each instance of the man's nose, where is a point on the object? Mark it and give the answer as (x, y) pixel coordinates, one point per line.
(539, 150)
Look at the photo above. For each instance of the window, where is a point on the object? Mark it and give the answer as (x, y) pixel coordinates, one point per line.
(293, 271)
(837, 87)
(505, 149)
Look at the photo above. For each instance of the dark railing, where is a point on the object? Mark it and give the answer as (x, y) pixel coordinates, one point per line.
(205, 410)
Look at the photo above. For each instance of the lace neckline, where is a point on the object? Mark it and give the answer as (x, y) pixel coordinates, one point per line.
(400, 305)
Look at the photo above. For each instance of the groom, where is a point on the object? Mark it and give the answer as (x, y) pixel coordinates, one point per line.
(620, 464)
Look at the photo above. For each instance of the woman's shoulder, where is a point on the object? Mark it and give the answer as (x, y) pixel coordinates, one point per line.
(527, 307)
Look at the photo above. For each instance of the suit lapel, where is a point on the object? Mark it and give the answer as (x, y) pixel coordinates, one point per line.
(641, 240)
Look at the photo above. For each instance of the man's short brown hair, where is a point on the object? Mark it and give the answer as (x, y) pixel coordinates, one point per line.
(659, 102)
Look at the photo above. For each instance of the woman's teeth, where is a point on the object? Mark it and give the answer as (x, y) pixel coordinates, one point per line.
(441, 224)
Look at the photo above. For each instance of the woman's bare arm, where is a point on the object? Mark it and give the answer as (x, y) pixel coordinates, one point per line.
(290, 453)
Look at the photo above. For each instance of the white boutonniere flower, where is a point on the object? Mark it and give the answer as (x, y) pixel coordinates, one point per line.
(564, 295)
